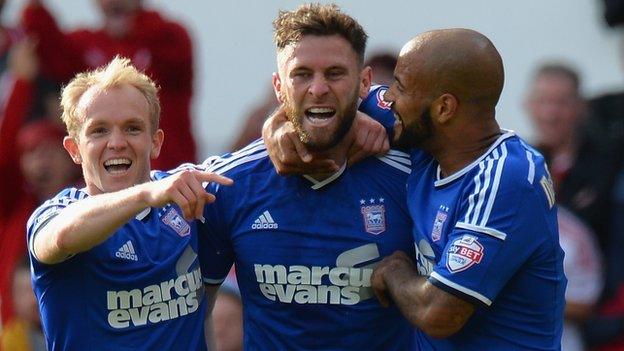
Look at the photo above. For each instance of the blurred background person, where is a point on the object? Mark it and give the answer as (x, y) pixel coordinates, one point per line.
(160, 47)
(382, 63)
(33, 166)
(583, 268)
(23, 332)
(583, 164)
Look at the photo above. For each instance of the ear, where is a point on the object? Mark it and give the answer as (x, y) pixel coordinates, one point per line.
(444, 107)
(71, 145)
(366, 78)
(277, 87)
(157, 141)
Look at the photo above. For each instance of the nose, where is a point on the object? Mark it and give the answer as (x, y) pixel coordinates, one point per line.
(389, 95)
(318, 86)
(117, 140)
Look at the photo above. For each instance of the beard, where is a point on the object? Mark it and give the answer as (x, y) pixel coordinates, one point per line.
(417, 133)
(320, 141)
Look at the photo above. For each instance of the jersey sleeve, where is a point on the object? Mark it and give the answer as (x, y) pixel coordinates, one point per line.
(50, 209)
(376, 107)
(502, 222)
(216, 255)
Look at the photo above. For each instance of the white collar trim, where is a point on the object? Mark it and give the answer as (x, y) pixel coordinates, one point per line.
(316, 184)
(443, 181)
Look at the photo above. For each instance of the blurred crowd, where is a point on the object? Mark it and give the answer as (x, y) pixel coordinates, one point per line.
(581, 137)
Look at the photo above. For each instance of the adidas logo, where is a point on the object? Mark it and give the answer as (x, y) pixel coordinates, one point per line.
(265, 221)
(127, 252)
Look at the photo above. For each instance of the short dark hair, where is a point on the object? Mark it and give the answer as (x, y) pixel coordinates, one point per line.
(322, 20)
(560, 69)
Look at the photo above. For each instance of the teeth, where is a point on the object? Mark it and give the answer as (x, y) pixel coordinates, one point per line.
(321, 110)
(118, 161)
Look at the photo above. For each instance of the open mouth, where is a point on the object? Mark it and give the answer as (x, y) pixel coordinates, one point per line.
(319, 115)
(117, 165)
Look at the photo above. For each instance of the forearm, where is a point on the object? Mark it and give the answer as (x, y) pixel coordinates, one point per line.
(406, 289)
(87, 223)
(434, 311)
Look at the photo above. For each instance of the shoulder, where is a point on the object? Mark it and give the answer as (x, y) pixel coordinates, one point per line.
(510, 180)
(52, 206)
(397, 160)
(252, 158)
(64, 198)
(511, 163)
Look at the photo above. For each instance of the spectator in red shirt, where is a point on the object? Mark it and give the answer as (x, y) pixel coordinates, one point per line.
(33, 167)
(160, 47)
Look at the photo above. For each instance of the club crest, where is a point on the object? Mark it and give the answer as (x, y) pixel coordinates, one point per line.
(177, 223)
(464, 253)
(438, 224)
(381, 103)
(374, 215)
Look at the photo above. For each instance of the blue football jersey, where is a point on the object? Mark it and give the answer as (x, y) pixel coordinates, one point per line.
(304, 251)
(488, 234)
(141, 289)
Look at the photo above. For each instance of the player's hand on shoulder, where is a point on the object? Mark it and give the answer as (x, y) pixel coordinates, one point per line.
(366, 137)
(186, 190)
(287, 152)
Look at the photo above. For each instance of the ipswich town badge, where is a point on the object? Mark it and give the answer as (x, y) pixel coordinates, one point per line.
(381, 103)
(374, 217)
(176, 222)
(464, 253)
(438, 224)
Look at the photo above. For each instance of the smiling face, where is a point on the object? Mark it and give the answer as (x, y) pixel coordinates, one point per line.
(319, 82)
(410, 105)
(116, 140)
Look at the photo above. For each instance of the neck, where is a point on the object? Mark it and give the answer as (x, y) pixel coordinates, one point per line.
(455, 153)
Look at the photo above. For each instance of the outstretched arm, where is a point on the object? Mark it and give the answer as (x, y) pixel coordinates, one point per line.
(87, 223)
(436, 312)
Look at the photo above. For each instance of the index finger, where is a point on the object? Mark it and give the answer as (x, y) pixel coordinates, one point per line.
(206, 176)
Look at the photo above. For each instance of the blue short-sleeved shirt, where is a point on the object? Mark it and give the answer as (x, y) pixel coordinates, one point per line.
(141, 289)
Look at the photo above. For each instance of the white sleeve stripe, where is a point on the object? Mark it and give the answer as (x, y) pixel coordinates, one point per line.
(35, 231)
(213, 281)
(531, 175)
(395, 164)
(480, 187)
(460, 288)
(220, 164)
(485, 230)
(393, 152)
(472, 196)
(253, 145)
(234, 158)
(484, 190)
(495, 186)
(403, 160)
(224, 167)
(186, 166)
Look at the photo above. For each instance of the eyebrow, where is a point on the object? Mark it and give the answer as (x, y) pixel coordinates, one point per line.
(399, 81)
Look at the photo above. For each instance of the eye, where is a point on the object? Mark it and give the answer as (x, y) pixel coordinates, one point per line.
(302, 75)
(335, 74)
(134, 129)
(98, 131)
